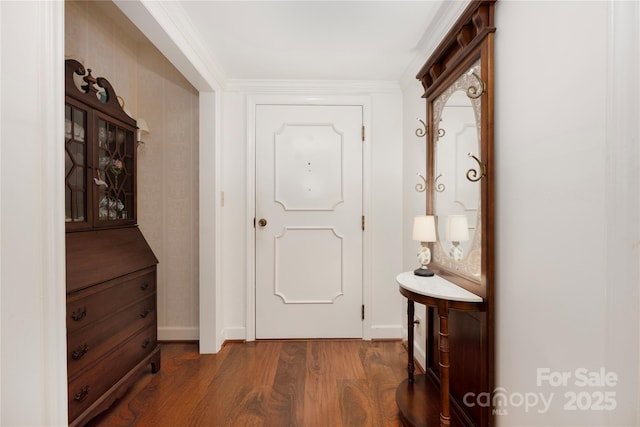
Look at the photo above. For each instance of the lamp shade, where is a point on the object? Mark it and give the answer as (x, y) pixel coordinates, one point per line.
(424, 228)
(457, 228)
(142, 125)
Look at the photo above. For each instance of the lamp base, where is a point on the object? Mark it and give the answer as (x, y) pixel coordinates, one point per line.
(424, 272)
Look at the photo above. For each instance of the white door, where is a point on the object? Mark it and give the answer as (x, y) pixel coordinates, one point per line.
(309, 193)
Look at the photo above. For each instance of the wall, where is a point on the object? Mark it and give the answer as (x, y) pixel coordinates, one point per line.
(99, 35)
(567, 262)
(33, 338)
(414, 202)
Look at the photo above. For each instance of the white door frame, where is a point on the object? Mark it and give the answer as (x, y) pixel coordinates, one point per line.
(278, 99)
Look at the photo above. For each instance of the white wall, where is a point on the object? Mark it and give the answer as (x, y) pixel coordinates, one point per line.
(414, 202)
(384, 218)
(566, 144)
(33, 354)
(554, 195)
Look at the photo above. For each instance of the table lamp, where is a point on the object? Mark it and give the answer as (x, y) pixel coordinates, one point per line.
(457, 231)
(424, 231)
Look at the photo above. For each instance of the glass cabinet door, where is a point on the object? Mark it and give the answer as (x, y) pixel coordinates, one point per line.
(75, 165)
(114, 181)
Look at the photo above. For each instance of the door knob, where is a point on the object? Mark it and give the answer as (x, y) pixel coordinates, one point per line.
(262, 222)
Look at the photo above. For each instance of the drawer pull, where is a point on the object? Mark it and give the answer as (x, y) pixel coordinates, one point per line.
(146, 343)
(144, 286)
(145, 313)
(79, 352)
(79, 314)
(82, 394)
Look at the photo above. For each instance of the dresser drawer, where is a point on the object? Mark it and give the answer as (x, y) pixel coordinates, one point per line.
(94, 303)
(86, 345)
(86, 388)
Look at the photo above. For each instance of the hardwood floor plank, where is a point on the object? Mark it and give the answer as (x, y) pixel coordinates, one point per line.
(320, 401)
(315, 383)
(285, 405)
(241, 388)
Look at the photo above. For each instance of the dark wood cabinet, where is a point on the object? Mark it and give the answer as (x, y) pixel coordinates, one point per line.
(100, 154)
(111, 270)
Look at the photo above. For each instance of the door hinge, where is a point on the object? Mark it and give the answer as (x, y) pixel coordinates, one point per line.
(362, 311)
(363, 222)
(362, 133)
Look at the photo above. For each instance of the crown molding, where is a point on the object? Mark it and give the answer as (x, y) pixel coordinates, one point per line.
(442, 22)
(168, 27)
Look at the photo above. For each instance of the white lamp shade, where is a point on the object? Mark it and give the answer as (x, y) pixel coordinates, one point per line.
(457, 228)
(424, 228)
(143, 127)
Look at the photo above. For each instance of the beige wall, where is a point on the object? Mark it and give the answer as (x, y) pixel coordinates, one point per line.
(98, 35)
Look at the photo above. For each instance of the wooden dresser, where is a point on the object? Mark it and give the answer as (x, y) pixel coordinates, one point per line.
(111, 270)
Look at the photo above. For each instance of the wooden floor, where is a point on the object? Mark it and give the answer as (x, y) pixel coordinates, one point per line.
(324, 383)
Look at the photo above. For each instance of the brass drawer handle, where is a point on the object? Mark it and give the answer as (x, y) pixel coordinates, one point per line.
(79, 314)
(145, 313)
(79, 352)
(144, 286)
(82, 394)
(146, 343)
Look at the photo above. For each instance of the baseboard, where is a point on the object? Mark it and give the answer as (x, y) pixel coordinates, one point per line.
(385, 332)
(176, 333)
(237, 333)
(419, 354)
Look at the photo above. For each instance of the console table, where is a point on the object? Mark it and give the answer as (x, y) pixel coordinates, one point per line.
(417, 396)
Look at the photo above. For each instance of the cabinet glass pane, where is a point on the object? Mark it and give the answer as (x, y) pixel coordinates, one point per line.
(75, 164)
(79, 124)
(115, 171)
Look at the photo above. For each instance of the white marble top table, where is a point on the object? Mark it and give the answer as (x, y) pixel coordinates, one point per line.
(436, 287)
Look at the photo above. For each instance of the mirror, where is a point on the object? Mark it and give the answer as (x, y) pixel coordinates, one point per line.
(456, 128)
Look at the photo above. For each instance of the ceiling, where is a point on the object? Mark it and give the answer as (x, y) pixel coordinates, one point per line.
(336, 40)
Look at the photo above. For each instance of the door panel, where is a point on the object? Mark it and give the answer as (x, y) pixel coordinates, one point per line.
(309, 192)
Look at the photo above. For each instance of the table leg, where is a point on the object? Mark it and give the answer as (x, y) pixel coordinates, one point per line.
(410, 313)
(443, 313)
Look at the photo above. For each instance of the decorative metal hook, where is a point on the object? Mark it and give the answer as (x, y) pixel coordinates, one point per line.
(474, 92)
(472, 174)
(439, 187)
(420, 132)
(421, 186)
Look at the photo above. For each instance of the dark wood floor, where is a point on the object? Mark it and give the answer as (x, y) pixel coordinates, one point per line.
(323, 383)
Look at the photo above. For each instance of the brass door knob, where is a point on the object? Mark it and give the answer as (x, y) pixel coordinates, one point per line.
(262, 222)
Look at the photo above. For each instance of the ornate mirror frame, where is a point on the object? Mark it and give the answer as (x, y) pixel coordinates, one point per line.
(469, 43)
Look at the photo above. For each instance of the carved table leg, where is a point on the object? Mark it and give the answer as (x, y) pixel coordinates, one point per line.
(443, 313)
(410, 313)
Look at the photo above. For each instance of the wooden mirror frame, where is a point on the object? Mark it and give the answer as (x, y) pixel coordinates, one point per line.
(470, 40)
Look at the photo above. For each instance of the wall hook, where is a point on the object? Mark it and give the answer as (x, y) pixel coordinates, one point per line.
(421, 186)
(439, 187)
(420, 132)
(472, 174)
(474, 92)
